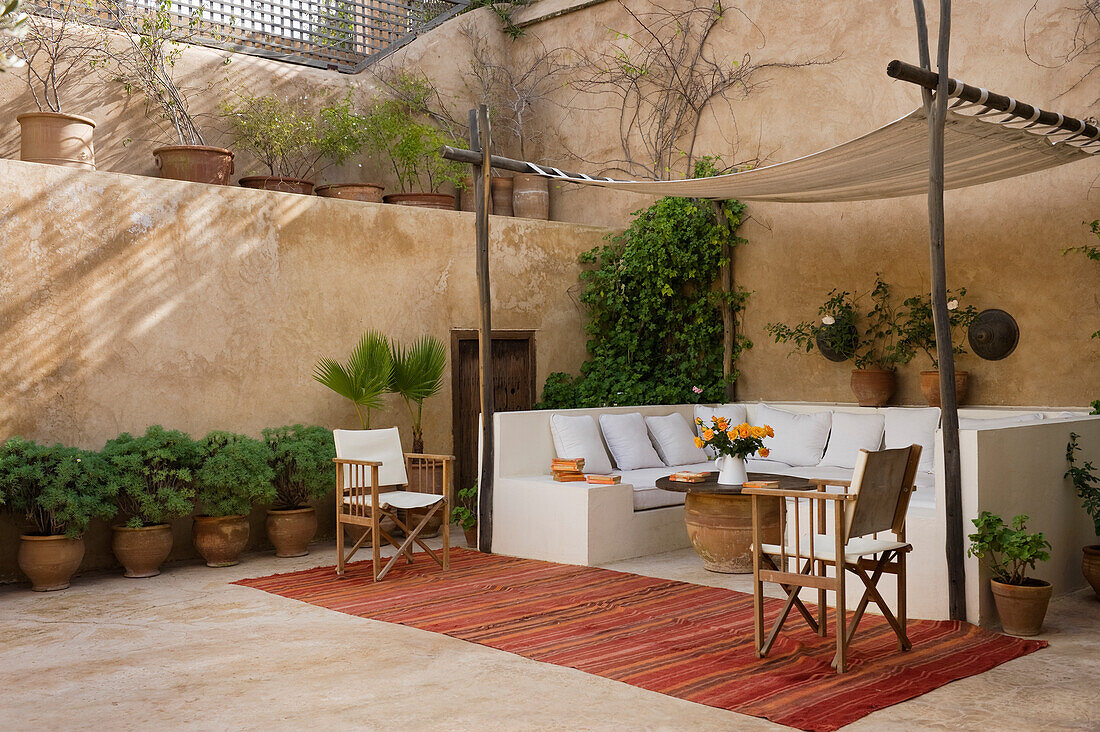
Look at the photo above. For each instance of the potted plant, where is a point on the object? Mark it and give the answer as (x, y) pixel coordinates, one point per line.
(417, 375)
(364, 378)
(152, 43)
(59, 490)
(1087, 485)
(342, 137)
(834, 334)
(918, 332)
(465, 514)
(235, 472)
(1008, 552)
(156, 474)
(880, 351)
(56, 52)
(301, 462)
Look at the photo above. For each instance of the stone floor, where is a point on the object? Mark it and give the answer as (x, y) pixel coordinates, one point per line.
(189, 650)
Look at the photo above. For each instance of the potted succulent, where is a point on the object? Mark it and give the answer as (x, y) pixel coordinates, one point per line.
(918, 332)
(301, 462)
(880, 351)
(342, 138)
(234, 473)
(417, 375)
(366, 376)
(1087, 485)
(59, 490)
(56, 52)
(152, 44)
(465, 514)
(1008, 552)
(156, 474)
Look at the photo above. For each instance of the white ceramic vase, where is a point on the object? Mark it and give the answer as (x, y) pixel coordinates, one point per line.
(731, 470)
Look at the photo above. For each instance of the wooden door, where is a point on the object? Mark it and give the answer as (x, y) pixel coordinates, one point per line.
(513, 389)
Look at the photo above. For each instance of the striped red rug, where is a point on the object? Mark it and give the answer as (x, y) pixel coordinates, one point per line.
(684, 640)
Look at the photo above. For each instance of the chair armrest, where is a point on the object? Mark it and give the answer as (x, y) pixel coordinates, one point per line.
(823, 483)
(429, 457)
(810, 495)
(349, 461)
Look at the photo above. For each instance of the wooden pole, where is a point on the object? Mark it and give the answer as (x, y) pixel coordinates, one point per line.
(956, 571)
(729, 325)
(479, 143)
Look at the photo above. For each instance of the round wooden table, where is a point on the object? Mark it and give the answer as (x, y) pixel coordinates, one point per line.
(719, 518)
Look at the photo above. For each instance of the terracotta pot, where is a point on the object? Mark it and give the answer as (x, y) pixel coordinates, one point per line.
(423, 200)
(1090, 566)
(720, 529)
(930, 386)
(1022, 607)
(366, 192)
(427, 479)
(49, 561)
(141, 551)
(873, 387)
(220, 539)
(531, 196)
(195, 163)
(502, 195)
(467, 200)
(275, 183)
(471, 537)
(58, 139)
(291, 530)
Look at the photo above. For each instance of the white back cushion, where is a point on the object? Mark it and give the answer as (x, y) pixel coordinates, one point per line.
(674, 440)
(734, 413)
(907, 426)
(799, 438)
(849, 434)
(376, 445)
(579, 437)
(628, 441)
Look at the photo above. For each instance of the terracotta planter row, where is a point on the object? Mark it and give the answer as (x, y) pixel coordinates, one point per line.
(875, 387)
(523, 196)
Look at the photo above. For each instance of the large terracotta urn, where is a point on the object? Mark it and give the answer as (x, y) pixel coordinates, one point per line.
(365, 192)
(873, 387)
(49, 561)
(291, 530)
(442, 201)
(930, 386)
(56, 138)
(531, 196)
(195, 163)
(220, 539)
(141, 550)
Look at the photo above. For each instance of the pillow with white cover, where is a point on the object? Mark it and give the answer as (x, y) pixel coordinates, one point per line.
(734, 414)
(851, 433)
(799, 438)
(579, 437)
(907, 426)
(628, 441)
(674, 440)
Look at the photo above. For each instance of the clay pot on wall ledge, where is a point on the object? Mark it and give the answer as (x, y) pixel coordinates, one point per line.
(291, 530)
(366, 192)
(57, 139)
(220, 539)
(873, 387)
(141, 551)
(501, 188)
(466, 198)
(49, 561)
(441, 201)
(531, 196)
(195, 163)
(930, 386)
(275, 183)
(1022, 607)
(1090, 566)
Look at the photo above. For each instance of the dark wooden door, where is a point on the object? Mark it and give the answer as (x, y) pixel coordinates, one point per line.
(513, 389)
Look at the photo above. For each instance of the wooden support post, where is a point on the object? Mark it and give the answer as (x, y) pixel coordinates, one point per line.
(479, 142)
(729, 325)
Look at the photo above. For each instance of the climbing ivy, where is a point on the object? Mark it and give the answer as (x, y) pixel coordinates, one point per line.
(654, 320)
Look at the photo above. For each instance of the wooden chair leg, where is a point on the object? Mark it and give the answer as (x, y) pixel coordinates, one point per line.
(339, 544)
(901, 600)
(822, 605)
(757, 585)
(376, 541)
(446, 535)
(841, 619)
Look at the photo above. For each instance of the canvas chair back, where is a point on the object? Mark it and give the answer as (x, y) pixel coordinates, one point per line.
(378, 445)
(883, 482)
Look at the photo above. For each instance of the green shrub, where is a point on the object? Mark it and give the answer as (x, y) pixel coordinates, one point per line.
(465, 510)
(156, 473)
(1008, 551)
(234, 474)
(58, 489)
(301, 461)
(1085, 481)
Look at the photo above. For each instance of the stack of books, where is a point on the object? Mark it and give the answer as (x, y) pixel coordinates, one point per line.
(603, 479)
(687, 476)
(567, 470)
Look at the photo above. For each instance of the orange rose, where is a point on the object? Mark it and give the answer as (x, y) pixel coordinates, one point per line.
(764, 452)
(744, 430)
(708, 434)
(698, 420)
(769, 430)
(699, 442)
(722, 423)
(757, 431)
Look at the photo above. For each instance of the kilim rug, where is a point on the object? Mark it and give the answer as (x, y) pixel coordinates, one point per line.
(684, 640)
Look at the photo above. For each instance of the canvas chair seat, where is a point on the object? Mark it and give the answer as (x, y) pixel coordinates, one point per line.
(397, 499)
(856, 548)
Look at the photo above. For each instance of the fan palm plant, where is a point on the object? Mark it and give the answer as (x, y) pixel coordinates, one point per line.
(364, 378)
(417, 375)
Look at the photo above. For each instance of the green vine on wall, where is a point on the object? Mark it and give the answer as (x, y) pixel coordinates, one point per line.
(654, 320)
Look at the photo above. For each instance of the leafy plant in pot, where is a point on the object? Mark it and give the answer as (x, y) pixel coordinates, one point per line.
(364, 378)
(465, 514)
(1008, 552)
(58, 490)
(342, 138)
(143, 58)
(880, 351)
(918, 332)
(156, 473)
(235, 473)
(1087, 484)
(301, 461)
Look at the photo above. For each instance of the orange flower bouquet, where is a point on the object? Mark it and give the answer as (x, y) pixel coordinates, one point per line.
(733, 443)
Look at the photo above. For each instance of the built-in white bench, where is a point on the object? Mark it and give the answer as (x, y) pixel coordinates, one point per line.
(1013, 461)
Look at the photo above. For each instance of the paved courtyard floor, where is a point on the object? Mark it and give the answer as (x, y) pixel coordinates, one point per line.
(189, 650)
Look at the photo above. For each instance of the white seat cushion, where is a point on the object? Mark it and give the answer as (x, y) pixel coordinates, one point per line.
(851, 433)
(628, 440)
(579, 437)
(824, 547)
(646, 498)
(397, 499)
(674, 439)
(799, 438)
(907, 426)
(757, 465)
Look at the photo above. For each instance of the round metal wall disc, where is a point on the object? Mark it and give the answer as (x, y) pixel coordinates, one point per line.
(993, 335)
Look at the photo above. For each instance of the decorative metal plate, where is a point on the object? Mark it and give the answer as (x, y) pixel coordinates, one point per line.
(834, 354)
(993, 335)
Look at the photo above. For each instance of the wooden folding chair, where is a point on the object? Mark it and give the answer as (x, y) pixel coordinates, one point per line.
(368, 461)
(875, 500)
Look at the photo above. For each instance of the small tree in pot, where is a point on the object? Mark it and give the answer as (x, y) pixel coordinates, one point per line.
(465, 514)
(58, 490)
(1087, 484)
(880, 351)
(918, 332)
(301, 461)
(1009, 552)
(235, 473)
(156, 484)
